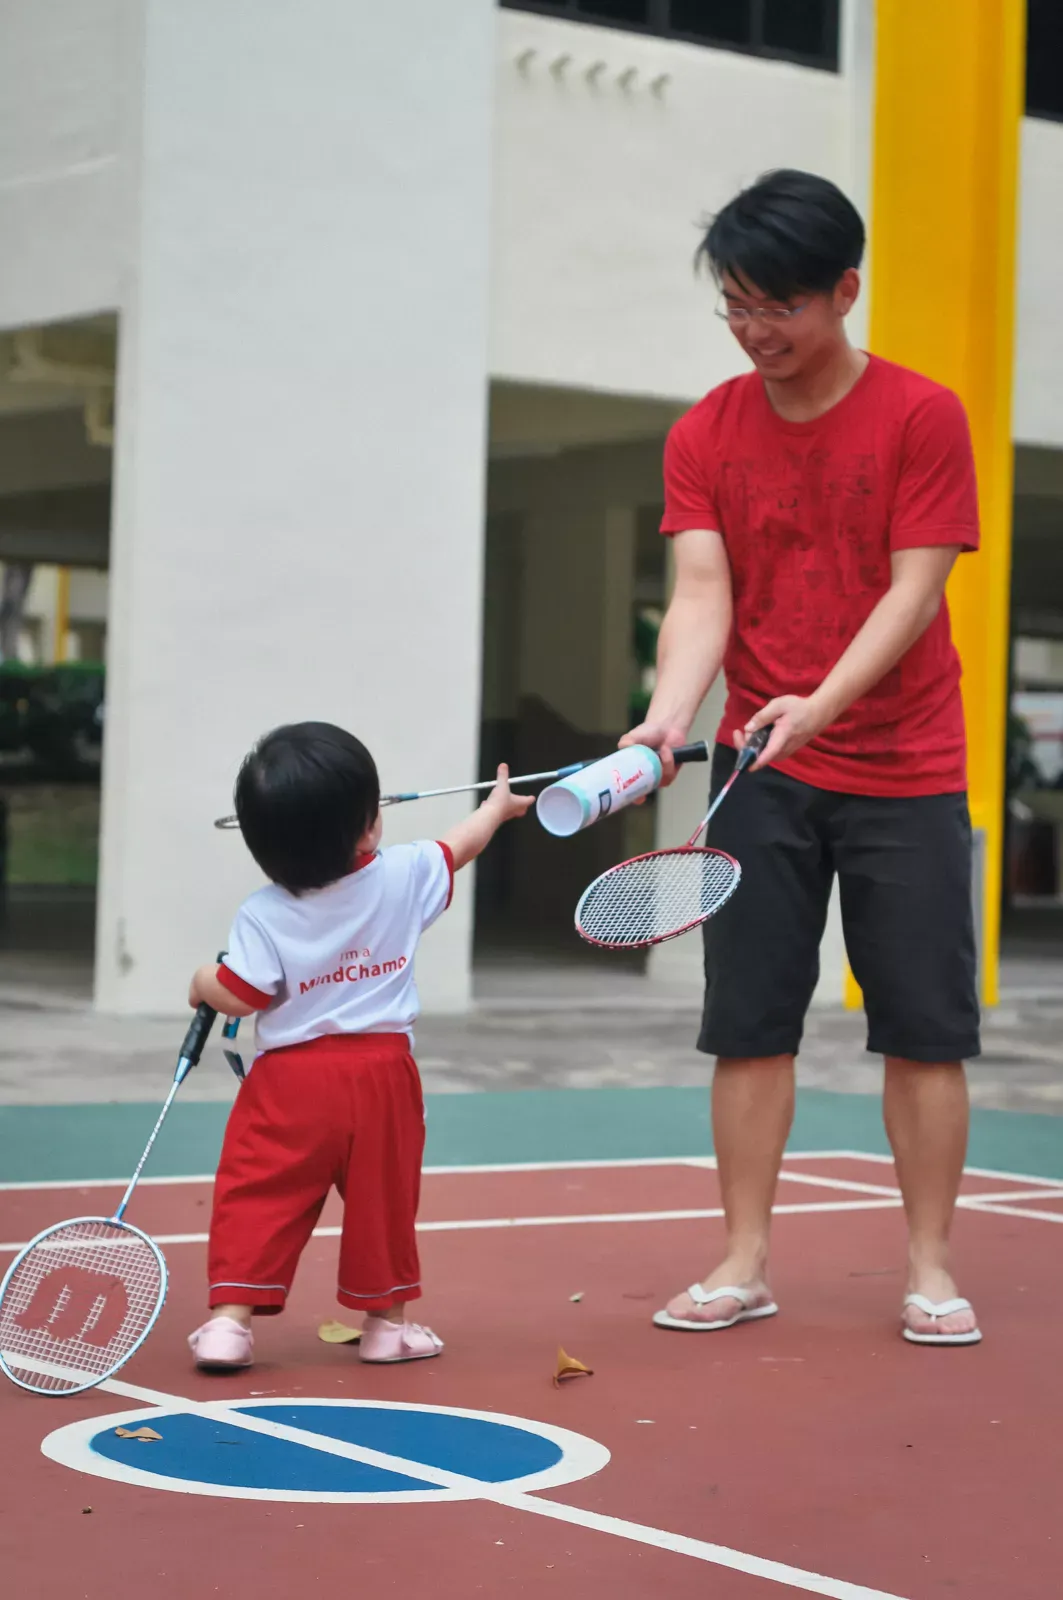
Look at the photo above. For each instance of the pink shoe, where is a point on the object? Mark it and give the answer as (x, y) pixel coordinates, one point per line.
(397, 1341)
(222, 1343)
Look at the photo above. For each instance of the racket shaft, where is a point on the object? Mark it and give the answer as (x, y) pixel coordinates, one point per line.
(699, 751)
(488, 783)
(746, 757)
(191, 1050)
(147, 1149)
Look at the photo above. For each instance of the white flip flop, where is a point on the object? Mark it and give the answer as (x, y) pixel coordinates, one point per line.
(941, 1308)
(705, 1297)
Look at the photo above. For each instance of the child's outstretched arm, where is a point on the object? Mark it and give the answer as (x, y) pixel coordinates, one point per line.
(472, 836)
(205, 987)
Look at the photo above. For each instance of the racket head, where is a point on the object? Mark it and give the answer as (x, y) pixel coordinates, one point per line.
(77, 1302)
(656, 897)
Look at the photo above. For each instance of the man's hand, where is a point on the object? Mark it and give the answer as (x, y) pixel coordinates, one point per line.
(662, 738)
(797, 720)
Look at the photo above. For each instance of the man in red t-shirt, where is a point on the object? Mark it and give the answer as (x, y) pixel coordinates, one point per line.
(817, 506)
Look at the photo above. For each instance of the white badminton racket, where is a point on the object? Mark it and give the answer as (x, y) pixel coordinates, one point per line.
(665, 893)
(82, 1296)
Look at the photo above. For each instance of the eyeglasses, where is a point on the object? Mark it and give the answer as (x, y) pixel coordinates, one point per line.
(740, 315)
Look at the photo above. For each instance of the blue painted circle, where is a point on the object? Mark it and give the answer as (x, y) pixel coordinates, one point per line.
(201, 1448)
(338, 1451)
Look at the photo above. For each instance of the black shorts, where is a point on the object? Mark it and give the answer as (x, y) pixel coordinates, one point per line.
(904, 871)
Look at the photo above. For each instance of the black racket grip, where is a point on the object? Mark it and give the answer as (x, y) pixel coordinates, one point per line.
(197, 1035)
(699, 751)
(752, 748)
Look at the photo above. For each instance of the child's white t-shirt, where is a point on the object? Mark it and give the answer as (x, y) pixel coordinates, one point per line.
(339, 959)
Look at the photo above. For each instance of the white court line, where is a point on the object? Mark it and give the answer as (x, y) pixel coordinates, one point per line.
(968, 1172)
(1018, 1211)
(997, 1204)
(1002, 1196)
(838, 1183)
(511, 1499)
(571, 1220)
(619, 1162)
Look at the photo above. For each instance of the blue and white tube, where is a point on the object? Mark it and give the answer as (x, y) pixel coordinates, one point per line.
(618, 780)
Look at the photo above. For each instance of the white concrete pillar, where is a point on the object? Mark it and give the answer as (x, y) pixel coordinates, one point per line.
(300, 448)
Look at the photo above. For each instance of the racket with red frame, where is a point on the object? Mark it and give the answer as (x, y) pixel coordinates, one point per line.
(665, 893)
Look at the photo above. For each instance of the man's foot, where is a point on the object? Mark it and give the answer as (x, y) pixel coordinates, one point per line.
(755, 1300)
(383, 1341)
(222, 1344)
(937, 1288)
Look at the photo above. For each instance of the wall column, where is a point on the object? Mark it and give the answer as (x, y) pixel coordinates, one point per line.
(948, 107)
(298, 522)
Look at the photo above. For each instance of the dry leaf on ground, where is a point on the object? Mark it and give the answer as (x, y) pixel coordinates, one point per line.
(569, 1367)
(338, 1333)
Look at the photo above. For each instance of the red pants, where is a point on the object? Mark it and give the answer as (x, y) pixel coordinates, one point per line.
(345, 1110)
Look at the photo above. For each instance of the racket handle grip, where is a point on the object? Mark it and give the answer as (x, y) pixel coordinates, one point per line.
(197, 1035)
(699, 751)
(752, 748)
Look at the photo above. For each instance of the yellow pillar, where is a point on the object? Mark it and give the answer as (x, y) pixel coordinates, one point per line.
(948, 109)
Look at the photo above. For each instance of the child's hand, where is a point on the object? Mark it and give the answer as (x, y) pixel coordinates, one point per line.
(197, 989)
(503, 802)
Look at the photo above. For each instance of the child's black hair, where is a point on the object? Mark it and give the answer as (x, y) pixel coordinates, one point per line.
(791, 233)
(304, 797)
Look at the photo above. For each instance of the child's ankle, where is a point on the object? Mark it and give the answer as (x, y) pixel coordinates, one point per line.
(392, 1314)
(240, 1314)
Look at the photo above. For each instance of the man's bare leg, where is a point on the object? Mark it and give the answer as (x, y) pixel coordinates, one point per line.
(752, 1109)
(926, 1115)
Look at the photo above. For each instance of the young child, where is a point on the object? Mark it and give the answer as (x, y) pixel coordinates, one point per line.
(323, 957)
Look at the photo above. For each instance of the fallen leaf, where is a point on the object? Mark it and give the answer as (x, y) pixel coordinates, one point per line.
(569, 1367)
(142, 1435)
(576, 1298)
(338, 1333)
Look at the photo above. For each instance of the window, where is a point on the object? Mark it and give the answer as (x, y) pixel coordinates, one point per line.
(1044, 59)
(805, 31)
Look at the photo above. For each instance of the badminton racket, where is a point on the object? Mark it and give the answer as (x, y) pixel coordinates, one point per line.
(665, 893)
(699, 751)
(82, 1296)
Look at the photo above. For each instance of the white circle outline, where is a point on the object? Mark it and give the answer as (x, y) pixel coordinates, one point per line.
(71, 1446)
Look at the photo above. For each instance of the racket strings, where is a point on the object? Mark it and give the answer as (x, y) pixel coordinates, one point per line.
(78, 1303)
(656, 897)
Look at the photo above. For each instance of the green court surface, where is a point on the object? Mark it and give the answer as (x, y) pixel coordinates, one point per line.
(54, 1143)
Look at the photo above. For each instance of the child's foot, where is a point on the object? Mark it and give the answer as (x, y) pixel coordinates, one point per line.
(222, 1343)
(397, 1341)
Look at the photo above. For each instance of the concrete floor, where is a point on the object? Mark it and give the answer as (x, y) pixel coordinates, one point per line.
(536, 1024)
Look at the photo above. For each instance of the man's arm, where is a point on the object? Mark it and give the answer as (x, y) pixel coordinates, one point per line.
(901, 617)
(692, 642)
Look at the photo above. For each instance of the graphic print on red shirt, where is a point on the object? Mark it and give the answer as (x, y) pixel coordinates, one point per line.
(810, 513)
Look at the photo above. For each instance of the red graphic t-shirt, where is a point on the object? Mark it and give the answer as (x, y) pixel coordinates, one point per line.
(810, 513)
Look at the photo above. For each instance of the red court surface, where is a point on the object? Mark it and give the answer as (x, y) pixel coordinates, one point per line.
(819, 1441)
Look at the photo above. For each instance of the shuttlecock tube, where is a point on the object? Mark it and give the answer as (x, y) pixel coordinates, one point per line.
(616, 781)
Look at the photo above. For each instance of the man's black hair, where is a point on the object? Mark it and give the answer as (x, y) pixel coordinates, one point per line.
(304, 797)
(791, 233)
